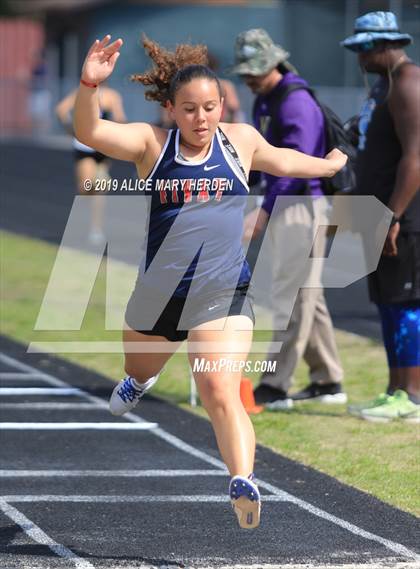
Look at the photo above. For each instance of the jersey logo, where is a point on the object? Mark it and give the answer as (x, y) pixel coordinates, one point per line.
(207, 168)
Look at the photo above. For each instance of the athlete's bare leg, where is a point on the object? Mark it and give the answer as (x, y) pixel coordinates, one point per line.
(143, 365)
(220, 390)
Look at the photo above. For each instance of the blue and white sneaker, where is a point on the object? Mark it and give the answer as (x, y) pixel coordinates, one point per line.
(127, 394)
(246, 501)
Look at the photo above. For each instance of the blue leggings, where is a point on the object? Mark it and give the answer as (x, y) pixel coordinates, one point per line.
(401, 332)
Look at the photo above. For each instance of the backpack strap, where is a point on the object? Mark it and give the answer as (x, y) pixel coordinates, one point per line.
(231, 150)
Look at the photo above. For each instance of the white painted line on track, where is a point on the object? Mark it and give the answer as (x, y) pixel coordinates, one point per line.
(52, 380)
(61, 391)
(12, 362)
(393, 546)
(21, 376)
(380, 564)
(70, 426)
(107, 499)
(108, 473)
(36, 533)
(192, 451)
(56, 405)
(181, 445)
(389, 563)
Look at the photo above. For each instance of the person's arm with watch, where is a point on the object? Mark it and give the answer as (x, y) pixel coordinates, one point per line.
(404, 106)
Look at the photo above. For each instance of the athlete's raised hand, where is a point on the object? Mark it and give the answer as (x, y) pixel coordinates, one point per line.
(100, 60)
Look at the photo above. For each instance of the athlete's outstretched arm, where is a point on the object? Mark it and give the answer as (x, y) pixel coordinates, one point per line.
(291, 163)
(121, 141)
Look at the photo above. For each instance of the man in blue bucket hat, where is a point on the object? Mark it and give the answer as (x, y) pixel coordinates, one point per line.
(388, 167)
(375, 27)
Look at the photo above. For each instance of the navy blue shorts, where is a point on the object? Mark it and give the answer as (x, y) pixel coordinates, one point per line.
(203, 310)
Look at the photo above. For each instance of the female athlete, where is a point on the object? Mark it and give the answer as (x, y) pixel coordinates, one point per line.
(195, 165)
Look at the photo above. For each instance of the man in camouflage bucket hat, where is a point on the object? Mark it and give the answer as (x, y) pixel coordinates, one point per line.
(294, 121)
(257, 54)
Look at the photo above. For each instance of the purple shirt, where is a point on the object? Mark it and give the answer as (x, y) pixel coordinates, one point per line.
(299, 125)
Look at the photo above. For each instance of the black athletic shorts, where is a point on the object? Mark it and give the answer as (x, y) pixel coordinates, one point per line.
(80, 154)
(397, 279)
(203, 310)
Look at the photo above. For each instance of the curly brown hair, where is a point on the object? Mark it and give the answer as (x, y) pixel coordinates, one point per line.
(171, 69)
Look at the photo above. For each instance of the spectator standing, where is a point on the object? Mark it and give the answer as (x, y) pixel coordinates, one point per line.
(294, 121)
(388, 167)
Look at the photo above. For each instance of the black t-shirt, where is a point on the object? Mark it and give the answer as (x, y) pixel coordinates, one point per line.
(379, 154)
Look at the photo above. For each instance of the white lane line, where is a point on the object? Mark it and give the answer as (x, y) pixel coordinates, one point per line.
(107, 499)
(52, 380)
(22, 376)
(36, 533)
(387, 564)
(70, 426)
(40, 391)
(285, 496)
(56, 405)
(108, 473)
(192, 451)
(12, 362)
(181, 445)
(208, 498)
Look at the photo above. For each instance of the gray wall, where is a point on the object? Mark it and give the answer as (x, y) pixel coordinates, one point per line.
(215, 27)
(310, 30)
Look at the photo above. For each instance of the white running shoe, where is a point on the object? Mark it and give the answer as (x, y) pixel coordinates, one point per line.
(127, 394)
(246, 501)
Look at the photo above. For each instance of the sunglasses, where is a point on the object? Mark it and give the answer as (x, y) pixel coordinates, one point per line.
(365, 46)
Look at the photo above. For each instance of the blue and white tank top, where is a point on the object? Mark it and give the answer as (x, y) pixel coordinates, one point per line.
(196, 219)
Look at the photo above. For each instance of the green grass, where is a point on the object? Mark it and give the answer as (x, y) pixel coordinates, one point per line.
(382, 459)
